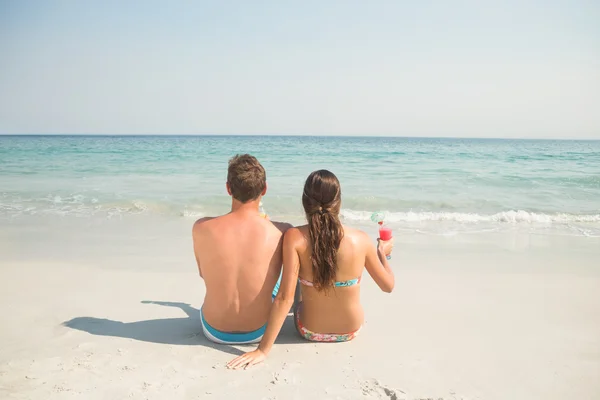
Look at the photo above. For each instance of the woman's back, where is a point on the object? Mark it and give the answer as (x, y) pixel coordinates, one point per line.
(336, 309)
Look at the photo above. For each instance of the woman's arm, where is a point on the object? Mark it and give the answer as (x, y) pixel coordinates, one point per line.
(377, 264)
(281, 305)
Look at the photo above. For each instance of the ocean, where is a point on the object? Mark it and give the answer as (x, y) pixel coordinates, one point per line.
(423, 185)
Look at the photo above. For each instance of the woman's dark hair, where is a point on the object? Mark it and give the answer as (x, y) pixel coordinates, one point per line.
(321, 199)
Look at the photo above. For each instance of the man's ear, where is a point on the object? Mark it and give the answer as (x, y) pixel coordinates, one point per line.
(228, 188)
(264, 190)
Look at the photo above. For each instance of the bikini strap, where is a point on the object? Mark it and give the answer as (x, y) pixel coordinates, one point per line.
(350, 282)
(305, 282)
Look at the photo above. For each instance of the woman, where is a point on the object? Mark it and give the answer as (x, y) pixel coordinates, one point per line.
(327, 259)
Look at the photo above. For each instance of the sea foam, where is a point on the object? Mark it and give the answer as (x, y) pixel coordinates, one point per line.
(510, 217)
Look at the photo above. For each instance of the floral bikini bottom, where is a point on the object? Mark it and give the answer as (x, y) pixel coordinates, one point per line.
(321, 337)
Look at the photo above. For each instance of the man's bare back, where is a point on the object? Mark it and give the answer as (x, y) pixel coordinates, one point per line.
(239, 257)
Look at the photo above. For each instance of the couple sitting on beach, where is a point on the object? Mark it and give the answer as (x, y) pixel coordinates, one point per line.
(240, 257)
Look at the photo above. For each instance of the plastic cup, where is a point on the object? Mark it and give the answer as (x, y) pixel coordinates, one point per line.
(385, 233)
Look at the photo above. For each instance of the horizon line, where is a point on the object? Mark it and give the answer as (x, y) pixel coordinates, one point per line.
(282, 135)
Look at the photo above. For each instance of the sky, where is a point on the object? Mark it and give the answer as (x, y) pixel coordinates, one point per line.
(508, 68)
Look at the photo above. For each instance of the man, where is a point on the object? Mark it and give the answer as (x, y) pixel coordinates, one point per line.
(239, 256)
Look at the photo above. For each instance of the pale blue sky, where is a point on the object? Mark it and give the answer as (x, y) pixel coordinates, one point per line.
(418, 68)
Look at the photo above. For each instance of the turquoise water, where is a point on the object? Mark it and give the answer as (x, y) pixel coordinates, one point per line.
(439, 185)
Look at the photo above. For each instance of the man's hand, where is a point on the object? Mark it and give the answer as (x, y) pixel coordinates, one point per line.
(246, 360)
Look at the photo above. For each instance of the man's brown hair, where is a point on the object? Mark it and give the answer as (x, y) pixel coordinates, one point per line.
(246, 178)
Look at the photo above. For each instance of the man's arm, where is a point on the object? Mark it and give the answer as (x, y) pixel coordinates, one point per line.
(196, 235)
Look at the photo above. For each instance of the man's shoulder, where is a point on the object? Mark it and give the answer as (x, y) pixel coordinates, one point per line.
(203, 220)
(199, 224)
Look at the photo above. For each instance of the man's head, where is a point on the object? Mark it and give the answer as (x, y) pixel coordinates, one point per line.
(246, 178)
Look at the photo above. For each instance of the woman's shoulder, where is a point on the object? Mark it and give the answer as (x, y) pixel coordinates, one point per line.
(356, 235)
(296, 233)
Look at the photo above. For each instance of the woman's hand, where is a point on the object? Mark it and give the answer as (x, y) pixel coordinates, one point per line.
(247, 359)
(385, 246)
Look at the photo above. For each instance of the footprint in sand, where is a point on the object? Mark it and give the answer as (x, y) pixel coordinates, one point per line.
(373, 389)
(286, 375)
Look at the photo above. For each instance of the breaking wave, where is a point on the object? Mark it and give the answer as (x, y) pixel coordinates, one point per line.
(509, 217)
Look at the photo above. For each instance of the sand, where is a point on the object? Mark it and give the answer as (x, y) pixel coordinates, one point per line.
(108, 310)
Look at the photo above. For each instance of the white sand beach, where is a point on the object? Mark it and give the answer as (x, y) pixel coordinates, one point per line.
(108, 310)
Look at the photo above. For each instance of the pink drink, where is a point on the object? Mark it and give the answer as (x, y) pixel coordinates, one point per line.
(385, 233)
